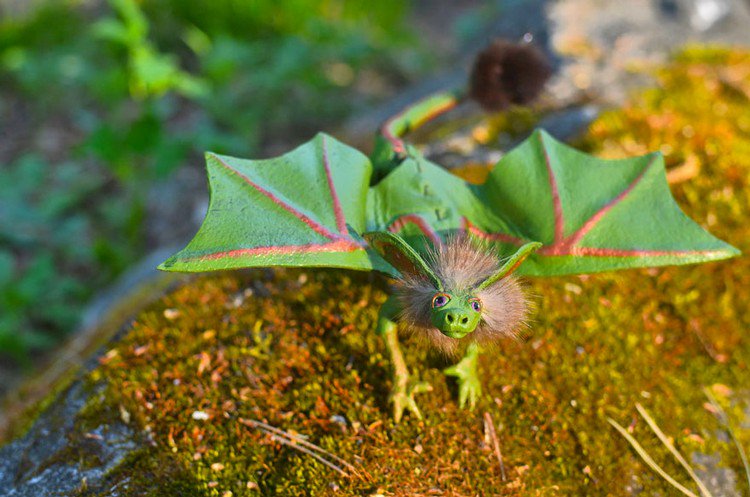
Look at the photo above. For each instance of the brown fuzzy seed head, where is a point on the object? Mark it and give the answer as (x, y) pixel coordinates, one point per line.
(507, 73)
(461, 266)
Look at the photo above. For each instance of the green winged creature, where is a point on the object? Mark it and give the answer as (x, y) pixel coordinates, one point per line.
(454, 249)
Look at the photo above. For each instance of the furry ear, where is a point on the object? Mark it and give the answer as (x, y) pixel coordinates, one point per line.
(510, 265)
(400, 255)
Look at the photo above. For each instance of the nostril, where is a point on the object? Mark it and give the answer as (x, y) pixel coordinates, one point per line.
(449, 317)
(464, 320)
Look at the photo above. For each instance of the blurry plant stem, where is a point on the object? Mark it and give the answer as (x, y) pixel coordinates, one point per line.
(648, 459)
(668, 444)
(725, 421)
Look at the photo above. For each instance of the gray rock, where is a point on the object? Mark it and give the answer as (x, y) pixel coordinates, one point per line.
(718, 479)
(58, 457)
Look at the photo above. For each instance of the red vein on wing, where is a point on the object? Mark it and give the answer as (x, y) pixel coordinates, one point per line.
(340, 220)
(494, 237)
(610, 252)
(336, 246)
(569, 245)
(402, 221)
(556, 203)
(316, 226)
(594, 220)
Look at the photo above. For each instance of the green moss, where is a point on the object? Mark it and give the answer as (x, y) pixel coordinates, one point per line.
(19, 424)
(296, 349)
(144, 474)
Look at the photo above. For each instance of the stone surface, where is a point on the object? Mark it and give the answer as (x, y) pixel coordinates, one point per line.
(719, 480)
(56, 457)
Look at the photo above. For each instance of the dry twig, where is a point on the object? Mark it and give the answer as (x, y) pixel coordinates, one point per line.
(489, 429)
(299, 443)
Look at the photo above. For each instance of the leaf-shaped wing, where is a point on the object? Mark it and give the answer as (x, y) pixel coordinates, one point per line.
(310, 206)
(591, 214)
(305, 208)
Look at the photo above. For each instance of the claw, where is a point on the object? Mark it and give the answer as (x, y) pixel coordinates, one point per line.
(469, 390)
(469, 386)
(403, 398)
(402, 393)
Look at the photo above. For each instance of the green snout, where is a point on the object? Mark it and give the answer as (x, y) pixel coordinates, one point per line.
(455, 321)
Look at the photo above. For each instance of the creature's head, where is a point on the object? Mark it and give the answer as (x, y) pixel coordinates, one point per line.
(455, 314)
(460, 291)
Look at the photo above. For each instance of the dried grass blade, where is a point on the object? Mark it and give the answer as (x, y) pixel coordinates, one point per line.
(669, 445)
(298, 440)
(307, 451)
(725, 421)
(648, 460)
(490, 427)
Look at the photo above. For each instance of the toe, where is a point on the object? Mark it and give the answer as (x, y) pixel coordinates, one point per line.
(472, 399)
(463, 394)
(451, 371)
(414, 409)
(421, 387)
(398, 411)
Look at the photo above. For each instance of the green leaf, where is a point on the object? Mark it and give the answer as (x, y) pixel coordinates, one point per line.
(591, 214)
(305, 208)
(111, 30)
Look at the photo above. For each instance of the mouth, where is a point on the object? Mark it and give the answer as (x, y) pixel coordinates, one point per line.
(455, 334)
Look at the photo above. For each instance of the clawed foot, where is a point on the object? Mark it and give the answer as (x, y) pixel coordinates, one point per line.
(469, 387)
(402, 398)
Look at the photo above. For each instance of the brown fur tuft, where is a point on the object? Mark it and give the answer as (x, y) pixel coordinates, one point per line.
(461, 266)
(507, 73)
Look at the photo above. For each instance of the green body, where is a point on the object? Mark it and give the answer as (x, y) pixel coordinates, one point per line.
(404, 388)
(455, 316)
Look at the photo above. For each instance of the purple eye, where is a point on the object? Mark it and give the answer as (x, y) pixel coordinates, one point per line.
(476, 304)
(440, 299)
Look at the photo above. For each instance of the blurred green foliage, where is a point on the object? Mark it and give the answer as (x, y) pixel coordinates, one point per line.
(42, 262)
(142, 89)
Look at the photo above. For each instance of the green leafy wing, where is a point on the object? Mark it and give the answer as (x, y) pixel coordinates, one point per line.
(590, 214)
(305, 208)
(311, 206)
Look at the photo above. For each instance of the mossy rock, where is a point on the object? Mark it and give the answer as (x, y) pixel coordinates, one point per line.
(295, 349)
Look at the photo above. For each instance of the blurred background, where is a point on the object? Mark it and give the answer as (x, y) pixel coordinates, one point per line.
(107, 106)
